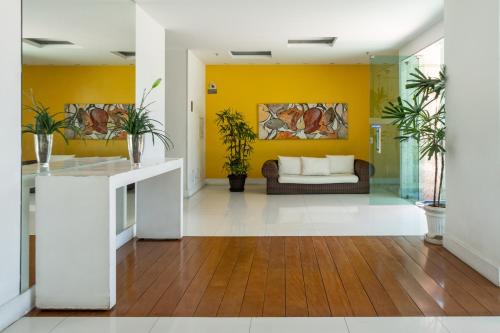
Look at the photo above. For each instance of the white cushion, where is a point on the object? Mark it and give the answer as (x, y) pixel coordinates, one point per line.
(289, 165)
(314, 166)
(341, 163)
(331, 179)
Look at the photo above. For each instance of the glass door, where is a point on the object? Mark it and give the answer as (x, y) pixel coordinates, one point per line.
(395, 177)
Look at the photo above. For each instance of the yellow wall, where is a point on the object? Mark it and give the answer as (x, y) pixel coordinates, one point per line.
(55, 86)
(243, 87)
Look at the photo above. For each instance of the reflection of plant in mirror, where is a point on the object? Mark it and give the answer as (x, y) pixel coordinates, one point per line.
(416, 121)
(46, 123)
(137, 121)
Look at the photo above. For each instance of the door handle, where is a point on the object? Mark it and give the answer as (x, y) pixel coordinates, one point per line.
(378, 138)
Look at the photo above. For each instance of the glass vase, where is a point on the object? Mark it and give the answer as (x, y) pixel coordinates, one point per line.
(135, 148)
(43, 148)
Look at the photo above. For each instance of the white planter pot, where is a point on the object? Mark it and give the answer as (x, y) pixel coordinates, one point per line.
(436, 219)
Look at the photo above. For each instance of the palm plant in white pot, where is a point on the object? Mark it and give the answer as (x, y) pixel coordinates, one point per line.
(423, 118)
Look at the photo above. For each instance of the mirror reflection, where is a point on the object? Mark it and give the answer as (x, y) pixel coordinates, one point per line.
(78, 78)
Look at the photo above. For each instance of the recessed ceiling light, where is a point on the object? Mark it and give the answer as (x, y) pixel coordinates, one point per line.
(310, 42)
(44, 42)
(124, 54)
(251, 54)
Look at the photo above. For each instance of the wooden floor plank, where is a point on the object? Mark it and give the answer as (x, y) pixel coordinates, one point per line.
(233, 296)
(359, 300)
(196, 251)
(472, 306)
(193, 294)
(481, 295)
(460, 265)
(427, 304)
(379, 298)
(293, 276)
(171, 297)
(335, 293)
(253, 300)
(211, 299)
(274, 300)
(295, 301)
(396, 291)
(317, 303)
(445, 300)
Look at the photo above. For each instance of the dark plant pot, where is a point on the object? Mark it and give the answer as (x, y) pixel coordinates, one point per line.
(237, 183)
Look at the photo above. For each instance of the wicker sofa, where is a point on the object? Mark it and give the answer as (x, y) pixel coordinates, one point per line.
(362, 169)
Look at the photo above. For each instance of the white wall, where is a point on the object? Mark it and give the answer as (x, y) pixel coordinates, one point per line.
(149, 66)
(472, 42)
(185, 82)
(176, 103)
(428, 37)
(10, 147)
(195, 124)
(10, 166)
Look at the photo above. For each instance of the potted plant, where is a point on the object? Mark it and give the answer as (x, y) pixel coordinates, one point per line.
(422, 118)
(238, 137)
(137, 122)
(43, 129)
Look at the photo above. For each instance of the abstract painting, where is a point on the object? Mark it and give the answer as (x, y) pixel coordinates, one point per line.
(302, 121)
(96, 120)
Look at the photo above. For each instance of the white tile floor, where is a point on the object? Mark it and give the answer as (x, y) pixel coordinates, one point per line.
(215, 211)
(256, 325)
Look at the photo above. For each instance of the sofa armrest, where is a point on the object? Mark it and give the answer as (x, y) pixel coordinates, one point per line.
(270, 169)
(363, 170)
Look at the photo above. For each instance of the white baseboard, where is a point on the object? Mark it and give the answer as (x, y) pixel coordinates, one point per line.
(16, 308)
(124, 236)
(190, 192)
(225, 181)
(473, 258)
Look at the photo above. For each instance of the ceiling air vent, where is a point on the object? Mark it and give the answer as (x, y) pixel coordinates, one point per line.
(308, 42)
(251, 54)
(44, 42)
(124, 54)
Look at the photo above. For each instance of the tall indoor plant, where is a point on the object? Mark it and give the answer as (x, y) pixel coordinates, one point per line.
(43, 129)
(238, 137)
(137, 123)
(422, 118)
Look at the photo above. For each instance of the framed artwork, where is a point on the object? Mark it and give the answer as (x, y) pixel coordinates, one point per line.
(96, 120)
(302, 121)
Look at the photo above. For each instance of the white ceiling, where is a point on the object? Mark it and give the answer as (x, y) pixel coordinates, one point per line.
(217, 26)
(211, 28)
(97, 27)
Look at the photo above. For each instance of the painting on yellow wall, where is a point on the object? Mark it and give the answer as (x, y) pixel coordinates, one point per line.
(96, 121)
(302, 121)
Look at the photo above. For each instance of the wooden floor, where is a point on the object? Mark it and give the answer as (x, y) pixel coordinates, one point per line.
(295, 276)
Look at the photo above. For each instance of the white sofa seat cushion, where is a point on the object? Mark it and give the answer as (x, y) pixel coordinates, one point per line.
(330, 179)
(341, 163)
(314, 166)
(289, 165)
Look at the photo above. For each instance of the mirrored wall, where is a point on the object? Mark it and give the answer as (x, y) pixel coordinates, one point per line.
(78, 78)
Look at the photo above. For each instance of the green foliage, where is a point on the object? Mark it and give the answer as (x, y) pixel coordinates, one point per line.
(415, 121)
(238, 137)
(46, 123)
(138, 121)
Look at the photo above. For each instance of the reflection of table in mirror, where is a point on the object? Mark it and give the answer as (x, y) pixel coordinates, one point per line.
(76, 240)
(29, 173)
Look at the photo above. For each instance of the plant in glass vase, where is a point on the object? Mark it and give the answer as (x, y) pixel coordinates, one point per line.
(423, 118)
(137, 123)
(238, 137)
(43, 129)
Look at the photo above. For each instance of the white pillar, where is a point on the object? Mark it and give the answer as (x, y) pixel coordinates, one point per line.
(149, 66)
(472, 44)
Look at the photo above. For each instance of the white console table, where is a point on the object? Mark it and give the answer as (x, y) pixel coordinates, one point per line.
(76, 222)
